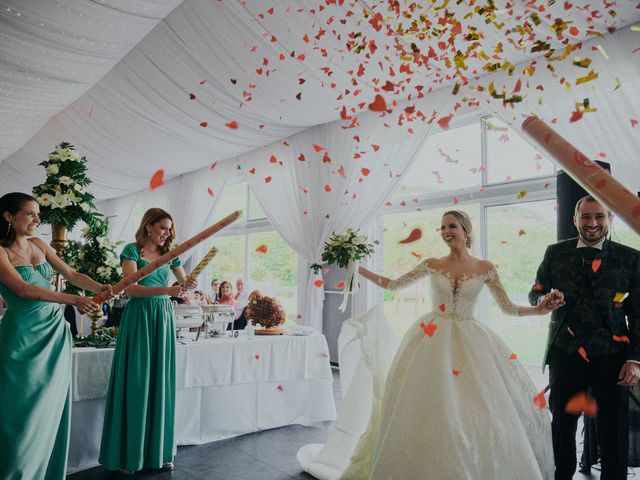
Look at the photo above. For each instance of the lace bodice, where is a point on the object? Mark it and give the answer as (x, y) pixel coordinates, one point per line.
(457, 300)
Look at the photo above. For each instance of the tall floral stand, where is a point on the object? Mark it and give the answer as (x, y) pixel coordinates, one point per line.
(60, 242)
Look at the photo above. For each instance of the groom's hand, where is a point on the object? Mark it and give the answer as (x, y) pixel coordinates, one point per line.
(629, 374)
(558, 298)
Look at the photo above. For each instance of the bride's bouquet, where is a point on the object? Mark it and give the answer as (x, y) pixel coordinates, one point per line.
(346, 251)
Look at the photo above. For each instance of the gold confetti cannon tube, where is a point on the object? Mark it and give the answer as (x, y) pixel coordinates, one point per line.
(591, 176)
(170, 255)
(204, 262)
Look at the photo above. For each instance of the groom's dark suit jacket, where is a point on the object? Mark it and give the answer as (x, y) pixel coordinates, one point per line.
(619, 272)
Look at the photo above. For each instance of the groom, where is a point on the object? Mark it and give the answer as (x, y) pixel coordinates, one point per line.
(590, 347)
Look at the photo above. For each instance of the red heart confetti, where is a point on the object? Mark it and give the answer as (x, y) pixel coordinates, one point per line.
(340, 285)
(442, 307)
(262, 248)
(513, 356)
(157, 179)
(429, 329)
(582, 403)
(595, 265)
(415, 235)
(318, 283)
(378, 104)
(455, 372)
(540, 401)
(233, 125)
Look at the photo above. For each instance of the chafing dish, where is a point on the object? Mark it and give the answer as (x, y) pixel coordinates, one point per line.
(219, 320)
(189, 316)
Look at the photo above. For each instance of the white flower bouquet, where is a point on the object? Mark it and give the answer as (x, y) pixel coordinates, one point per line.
(63, 197)
(346, 251)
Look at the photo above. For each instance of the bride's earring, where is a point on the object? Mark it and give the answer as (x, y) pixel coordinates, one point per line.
(9, 227)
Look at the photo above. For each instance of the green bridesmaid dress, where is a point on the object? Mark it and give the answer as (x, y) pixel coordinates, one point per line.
(139, 415)
(35, 383)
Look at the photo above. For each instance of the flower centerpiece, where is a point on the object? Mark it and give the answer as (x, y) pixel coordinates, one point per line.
(346, 251)
(63, 197)
(267, 311)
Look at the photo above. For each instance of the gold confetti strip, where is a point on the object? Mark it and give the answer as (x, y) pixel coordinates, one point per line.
(620, 297)
(592, 75)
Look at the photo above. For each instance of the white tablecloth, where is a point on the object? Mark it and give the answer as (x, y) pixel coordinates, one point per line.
(225, 387)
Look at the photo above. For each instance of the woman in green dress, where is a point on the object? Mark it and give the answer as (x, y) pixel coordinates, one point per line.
(35, 347)
(139, 415)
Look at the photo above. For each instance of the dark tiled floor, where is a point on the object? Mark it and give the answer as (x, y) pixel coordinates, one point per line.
(266, 455)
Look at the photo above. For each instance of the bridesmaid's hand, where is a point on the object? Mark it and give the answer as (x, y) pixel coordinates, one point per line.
(190, 283)
(176, 291)
(107, 291)
(85, 305)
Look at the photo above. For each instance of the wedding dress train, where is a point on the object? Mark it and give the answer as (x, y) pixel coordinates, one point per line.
(456, 405)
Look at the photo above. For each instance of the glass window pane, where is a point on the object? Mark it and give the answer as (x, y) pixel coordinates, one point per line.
(448, 160)
(229, 263)
(622, 233)
(510, 157)
(517, 237)
(232, 198)
(274, 273)
(255, 209)
(403, 307)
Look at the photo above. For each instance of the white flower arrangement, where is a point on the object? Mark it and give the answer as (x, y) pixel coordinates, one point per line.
(63, 197)
(346, 251)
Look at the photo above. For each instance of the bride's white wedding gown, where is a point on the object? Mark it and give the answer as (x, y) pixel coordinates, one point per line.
(452, 405)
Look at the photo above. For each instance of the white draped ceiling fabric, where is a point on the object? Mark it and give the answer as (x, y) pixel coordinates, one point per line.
(139, 86)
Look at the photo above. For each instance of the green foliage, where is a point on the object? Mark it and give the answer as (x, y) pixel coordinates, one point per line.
(102, 338)
(63, 197)
(95, 255)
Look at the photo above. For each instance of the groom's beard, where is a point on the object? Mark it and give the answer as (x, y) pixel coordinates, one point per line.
(593, 235)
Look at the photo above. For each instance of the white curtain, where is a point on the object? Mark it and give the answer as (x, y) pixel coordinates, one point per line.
(189, 198)
(327, 179)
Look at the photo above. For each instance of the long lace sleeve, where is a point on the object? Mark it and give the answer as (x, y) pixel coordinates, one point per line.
(420, 271)
(499, 294)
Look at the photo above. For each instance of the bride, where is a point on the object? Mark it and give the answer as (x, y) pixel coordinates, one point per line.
(455, 404)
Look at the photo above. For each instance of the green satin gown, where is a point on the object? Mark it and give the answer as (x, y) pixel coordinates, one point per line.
(139, 416)
(35, 384)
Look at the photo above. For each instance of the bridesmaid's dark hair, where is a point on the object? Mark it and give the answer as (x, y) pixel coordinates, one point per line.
(12, 203)
(151, 217)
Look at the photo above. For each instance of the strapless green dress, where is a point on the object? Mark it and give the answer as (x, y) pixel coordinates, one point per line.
(139, 415)
(35, 384)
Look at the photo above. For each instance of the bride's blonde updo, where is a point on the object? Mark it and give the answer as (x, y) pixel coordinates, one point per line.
(464, 220)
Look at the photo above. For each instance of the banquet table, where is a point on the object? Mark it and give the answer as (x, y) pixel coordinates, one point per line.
(225, 387)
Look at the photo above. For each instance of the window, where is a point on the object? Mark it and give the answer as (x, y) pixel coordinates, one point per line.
(230, 262)
(275, 272)
(517, 237)
(509, 156)
(253, 251)
(448, 160)
(622, 233)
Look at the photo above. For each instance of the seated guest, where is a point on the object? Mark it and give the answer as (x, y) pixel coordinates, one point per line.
(239, 319)
(239, 288)
(225, 296)
(215, 287)
(198, 298)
